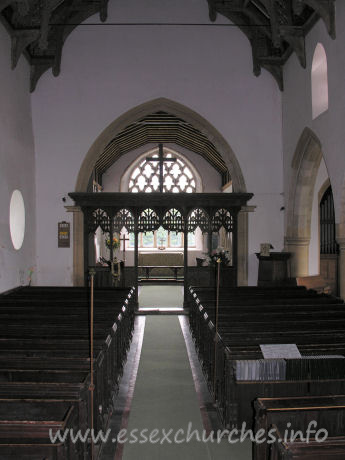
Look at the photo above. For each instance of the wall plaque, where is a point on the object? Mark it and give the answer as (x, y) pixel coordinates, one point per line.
(64, 234)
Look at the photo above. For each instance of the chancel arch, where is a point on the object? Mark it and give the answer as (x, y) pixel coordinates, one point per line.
(146, 109)
(214, 148)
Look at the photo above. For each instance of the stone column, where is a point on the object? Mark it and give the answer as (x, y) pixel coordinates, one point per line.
(78, 245)
(242, 245)
(299, 261)
(341, 271)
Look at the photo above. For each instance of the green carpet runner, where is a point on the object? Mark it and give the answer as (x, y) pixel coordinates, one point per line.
(165, 398)
(161, 296)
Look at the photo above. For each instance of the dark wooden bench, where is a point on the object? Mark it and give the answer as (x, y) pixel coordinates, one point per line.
(44, 348)
(25, 427)
(296, 413)
(249, 317)
(331, 449)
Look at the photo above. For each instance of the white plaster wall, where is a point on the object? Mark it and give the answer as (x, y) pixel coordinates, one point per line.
(107, 70)
(17, 165)
(314, 245)
(297, 109)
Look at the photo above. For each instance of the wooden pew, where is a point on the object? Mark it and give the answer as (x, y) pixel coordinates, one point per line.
(44, 346)
(316, 327)
(331, 449)
(25, 426)
(297, 414)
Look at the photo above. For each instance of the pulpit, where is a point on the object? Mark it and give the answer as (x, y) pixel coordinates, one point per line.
(273, 269)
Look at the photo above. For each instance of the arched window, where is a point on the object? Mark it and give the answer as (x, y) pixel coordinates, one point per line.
(177, 175)
(319, 81)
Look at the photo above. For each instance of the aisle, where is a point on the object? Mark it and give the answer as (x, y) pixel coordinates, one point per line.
(161, 296)
(165, 398)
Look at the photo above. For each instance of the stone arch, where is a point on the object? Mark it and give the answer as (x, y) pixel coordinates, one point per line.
(305, 165)
(190, 116)
(161, 104)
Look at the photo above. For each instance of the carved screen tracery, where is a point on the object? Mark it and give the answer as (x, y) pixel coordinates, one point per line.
(173, 221)
(177, 176)
(222, 218)
(98, 218)
(148, 221)
(123, 219)
(198, 218)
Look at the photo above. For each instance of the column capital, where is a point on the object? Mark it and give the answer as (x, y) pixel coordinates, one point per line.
(247, 209)
(297, 241)
(73, 208)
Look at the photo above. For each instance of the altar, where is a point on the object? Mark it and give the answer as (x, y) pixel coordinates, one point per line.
(163, 263)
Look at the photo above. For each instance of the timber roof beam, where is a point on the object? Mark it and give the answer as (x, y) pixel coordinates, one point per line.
(275, 28)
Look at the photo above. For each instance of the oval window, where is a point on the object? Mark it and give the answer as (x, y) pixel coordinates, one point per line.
(17, 219)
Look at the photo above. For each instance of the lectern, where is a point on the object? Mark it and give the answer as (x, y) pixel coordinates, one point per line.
(273, 269)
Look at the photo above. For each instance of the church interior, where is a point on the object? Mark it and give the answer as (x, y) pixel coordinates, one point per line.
(172, 245)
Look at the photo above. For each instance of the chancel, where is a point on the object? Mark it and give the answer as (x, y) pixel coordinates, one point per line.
(172, 244)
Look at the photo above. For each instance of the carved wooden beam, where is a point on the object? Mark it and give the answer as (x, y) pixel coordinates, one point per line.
(47, 9)
(103, 10)
(296, 39)
(58, 52)
(271, 8)
(298, 7)
(256, 62)
(283, 27)
(38, 67)
(326, 10)
(5, 3)
(62, 18)
(20, 40)
(23, 5)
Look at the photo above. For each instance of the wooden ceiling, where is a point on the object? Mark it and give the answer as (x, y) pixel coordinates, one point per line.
(275, 28)
(161, 127)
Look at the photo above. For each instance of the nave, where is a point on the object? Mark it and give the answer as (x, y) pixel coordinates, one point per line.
(48, 381)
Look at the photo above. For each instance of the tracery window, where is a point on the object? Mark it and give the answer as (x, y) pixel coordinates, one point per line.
(177, 176)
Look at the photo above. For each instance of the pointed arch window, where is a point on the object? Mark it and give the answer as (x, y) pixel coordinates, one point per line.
(319, 81)
(177, 176)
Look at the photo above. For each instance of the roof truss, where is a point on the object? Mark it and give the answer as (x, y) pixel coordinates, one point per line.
(275, 28)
